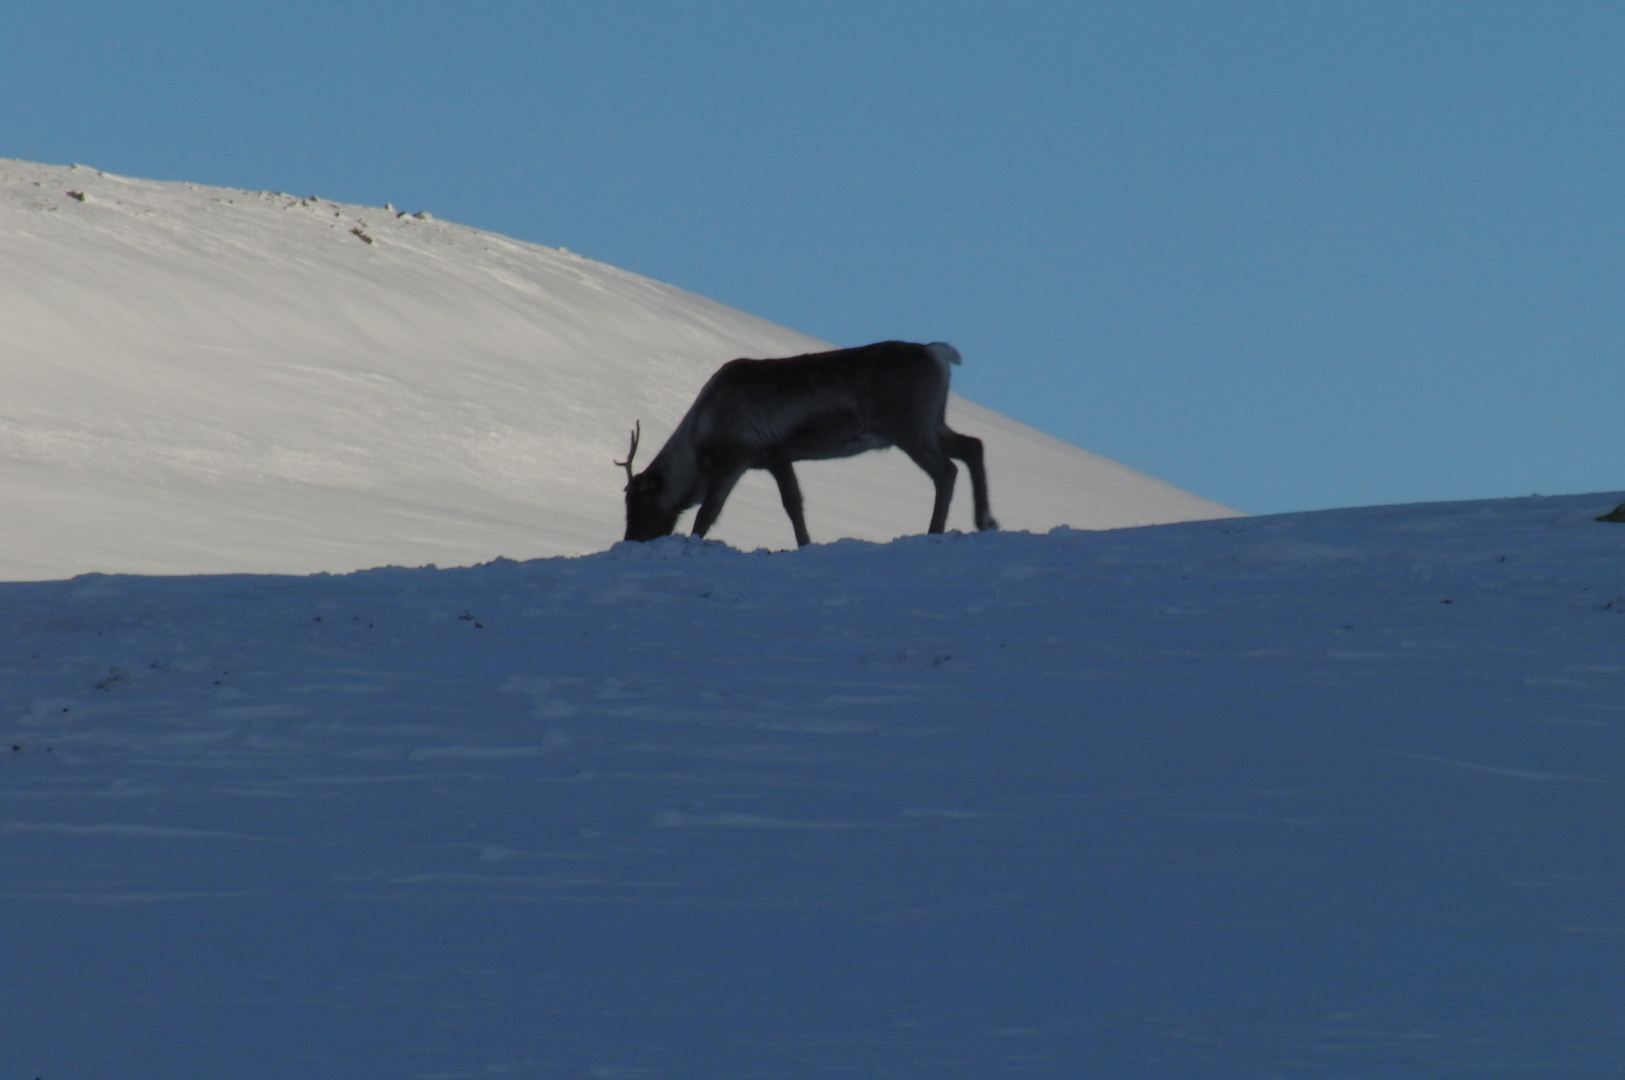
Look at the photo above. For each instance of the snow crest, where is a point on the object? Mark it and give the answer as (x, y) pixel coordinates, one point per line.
(203, 379)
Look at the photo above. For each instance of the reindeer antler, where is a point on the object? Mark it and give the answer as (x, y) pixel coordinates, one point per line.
(637, 431)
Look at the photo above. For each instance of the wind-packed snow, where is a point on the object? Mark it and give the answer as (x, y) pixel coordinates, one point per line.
(1335, 795)
(200, 379)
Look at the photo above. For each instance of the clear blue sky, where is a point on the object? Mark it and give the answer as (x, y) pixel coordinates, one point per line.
(1286, 256)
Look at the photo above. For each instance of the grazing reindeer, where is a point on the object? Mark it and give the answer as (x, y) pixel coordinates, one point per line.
(766, 414)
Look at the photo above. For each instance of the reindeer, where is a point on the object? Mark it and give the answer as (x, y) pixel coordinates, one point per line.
(766, 414)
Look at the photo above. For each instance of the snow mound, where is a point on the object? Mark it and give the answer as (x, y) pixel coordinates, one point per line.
(1335, 795)
(201, 379)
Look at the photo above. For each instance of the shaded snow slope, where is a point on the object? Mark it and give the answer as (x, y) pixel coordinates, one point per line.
(200, 379)
(1335, 795)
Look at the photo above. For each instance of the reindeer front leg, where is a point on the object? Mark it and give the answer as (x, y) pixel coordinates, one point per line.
(790, 495)
(715, 496)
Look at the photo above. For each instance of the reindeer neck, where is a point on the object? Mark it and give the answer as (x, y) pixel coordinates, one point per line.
(678, 466)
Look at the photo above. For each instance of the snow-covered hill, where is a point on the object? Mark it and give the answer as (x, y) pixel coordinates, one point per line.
(199, 379)
(1335, 795)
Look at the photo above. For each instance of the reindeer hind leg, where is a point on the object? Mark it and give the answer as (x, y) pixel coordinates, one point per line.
(942, 473)
(944, 480)
(969, 450)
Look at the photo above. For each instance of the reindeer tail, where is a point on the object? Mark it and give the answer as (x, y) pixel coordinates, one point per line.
(944, 353)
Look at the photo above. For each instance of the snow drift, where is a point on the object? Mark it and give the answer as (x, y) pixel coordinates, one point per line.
(1335, 796)
(200, 379)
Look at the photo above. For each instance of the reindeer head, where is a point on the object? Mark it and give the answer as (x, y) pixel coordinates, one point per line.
(650, 511)
(649, 514)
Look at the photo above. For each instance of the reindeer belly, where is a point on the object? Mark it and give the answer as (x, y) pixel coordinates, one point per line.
(830, 437)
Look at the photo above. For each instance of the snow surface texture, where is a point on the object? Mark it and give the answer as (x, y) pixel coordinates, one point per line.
(1323, 795)
(205, 380)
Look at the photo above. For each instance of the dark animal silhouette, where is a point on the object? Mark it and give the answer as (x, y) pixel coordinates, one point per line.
(766, 414)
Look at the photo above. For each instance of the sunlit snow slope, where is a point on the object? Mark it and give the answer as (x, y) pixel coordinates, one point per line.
(201, 379)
